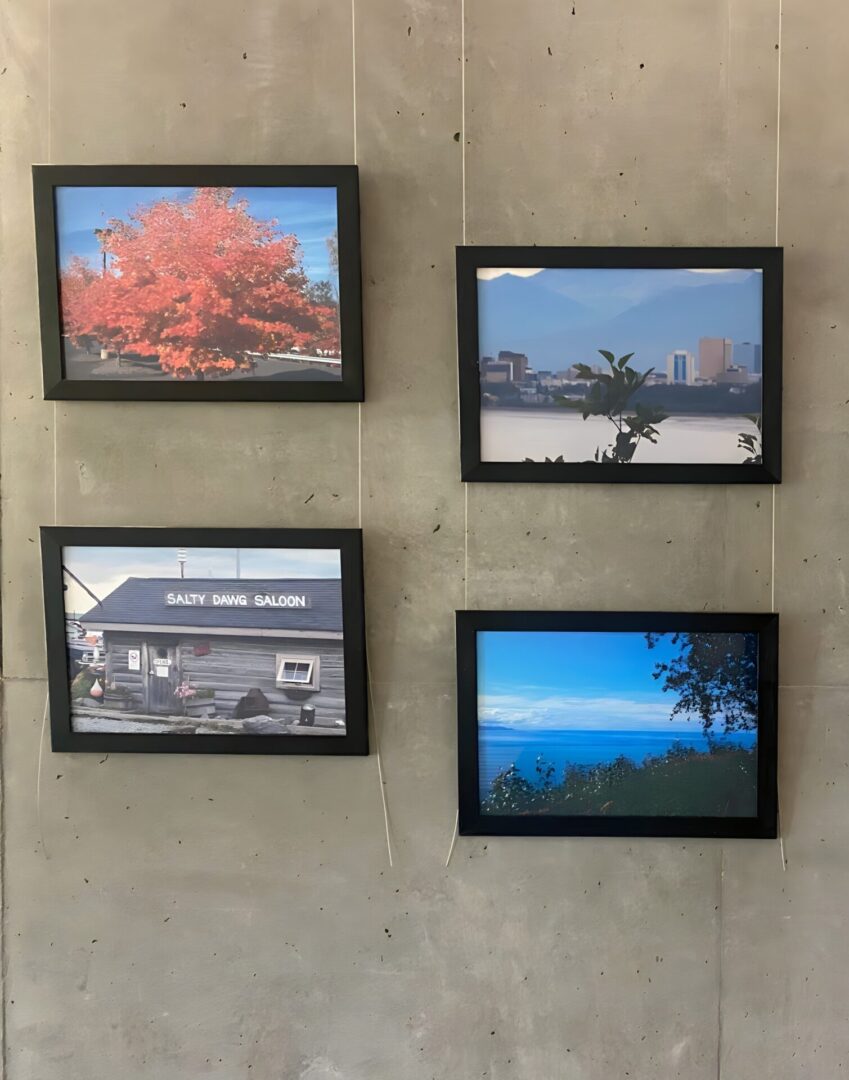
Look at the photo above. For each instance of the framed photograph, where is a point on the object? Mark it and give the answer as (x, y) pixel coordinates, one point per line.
(620, 365)
(617, 724)
(219, 641)
(199, 282)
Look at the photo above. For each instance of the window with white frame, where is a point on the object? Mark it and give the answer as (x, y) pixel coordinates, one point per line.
(297, 672)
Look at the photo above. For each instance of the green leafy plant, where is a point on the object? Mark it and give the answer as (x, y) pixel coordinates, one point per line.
(608, 396)
(719, 781)
(752, 444)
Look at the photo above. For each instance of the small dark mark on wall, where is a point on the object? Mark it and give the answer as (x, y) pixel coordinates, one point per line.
(182, 104)
(244, 56)
(642, 66)
(409, 30)
(309, 498)
(59, 776)
(456, 136)
(438, 527)
(550, 53)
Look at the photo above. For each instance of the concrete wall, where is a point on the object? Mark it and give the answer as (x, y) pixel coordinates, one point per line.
(189, 917)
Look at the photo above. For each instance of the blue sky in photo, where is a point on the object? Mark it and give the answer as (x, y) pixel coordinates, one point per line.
(103, 569)
(535, 681)
(560, 316)
(309, 212)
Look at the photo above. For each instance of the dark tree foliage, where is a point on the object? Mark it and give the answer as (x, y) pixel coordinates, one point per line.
(715, 677)
(609, 396)
(752, 444)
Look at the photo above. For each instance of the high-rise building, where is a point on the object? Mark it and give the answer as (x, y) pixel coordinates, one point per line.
(494, 371)
(736, 376)
(749, 355)
(681, 367)
(716, 355)
(518, 360)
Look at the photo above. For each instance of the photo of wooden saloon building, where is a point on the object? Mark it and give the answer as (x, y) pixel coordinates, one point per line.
(216, 656)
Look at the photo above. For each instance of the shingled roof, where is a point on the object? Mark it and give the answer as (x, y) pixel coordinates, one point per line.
(141, 602)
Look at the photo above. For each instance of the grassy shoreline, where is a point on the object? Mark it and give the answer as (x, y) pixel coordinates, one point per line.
(718, 782)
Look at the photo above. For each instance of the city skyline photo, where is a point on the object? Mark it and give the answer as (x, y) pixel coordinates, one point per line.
(621, 366)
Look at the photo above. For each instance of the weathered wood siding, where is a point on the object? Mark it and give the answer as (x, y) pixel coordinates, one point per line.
(235, 665)
(117, 647)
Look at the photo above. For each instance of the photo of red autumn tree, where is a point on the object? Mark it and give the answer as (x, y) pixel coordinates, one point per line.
(200, 285)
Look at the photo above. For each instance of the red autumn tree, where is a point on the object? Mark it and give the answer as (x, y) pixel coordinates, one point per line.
(199, 284)
(82, 290)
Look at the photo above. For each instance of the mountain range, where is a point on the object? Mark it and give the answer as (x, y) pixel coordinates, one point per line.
(533, 315)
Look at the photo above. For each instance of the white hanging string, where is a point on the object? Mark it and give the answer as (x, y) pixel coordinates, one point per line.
(777, 205)
(454, 836)
(455, 832)
(38, 775)
(40, 763)
(774, 492)
(372, 710)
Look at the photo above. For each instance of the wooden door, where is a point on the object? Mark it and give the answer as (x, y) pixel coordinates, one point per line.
(161, 681)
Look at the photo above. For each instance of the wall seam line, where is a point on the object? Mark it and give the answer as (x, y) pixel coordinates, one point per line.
(370, 682)
(463, 236)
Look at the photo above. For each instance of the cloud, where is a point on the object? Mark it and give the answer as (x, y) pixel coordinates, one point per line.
(103, 569)
(490, 273)
(563, 712)
(726, 270)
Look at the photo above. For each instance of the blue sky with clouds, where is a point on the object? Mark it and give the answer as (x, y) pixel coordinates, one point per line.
(103, 569)
(558, 680)
(309, 212)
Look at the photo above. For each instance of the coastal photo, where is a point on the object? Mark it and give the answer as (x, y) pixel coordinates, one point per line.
(186, 639)
(602, 725)
(189, 284)
(611, 368)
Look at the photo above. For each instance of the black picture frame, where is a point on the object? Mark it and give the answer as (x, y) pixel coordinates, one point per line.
(347, 541)
(473, 823)
(474, 469)
(344, 178)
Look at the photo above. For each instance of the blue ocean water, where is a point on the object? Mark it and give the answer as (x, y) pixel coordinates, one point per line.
(499, 748)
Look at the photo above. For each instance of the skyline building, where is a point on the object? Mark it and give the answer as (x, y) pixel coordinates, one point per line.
(518, 360)
(750, 356)
(715, 356)
(681, 367)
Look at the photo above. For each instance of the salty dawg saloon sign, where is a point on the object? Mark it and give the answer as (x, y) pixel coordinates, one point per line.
(237, 600)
